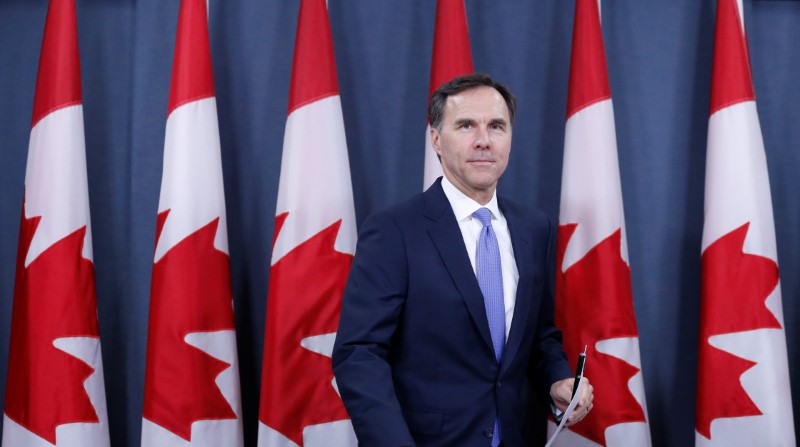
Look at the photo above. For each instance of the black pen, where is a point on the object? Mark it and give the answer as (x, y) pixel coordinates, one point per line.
(579, 371)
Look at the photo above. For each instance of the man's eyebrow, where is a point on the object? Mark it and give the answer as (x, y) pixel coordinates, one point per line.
(499, 121)
(462, 121)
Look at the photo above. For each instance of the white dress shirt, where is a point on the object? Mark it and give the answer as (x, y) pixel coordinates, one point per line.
(463, 207)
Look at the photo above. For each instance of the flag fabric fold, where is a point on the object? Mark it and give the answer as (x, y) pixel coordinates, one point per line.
(743, 386)
(451, 57)
(594, 298)
(55, 394)
(191, 394)
(313, 246)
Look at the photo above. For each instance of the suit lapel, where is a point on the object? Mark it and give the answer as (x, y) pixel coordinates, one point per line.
(447, 238)
(522, 251)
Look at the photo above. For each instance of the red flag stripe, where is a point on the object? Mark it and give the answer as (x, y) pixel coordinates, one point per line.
(314, 68)
(451, 51)
(731, 81)
(59, 82)
(192, 72)
(588, 74)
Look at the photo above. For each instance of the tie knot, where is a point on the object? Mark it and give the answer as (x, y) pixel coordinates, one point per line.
(484, 215)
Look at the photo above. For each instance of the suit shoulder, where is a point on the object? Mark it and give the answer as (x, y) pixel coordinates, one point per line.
(531, 216)
(398, 213)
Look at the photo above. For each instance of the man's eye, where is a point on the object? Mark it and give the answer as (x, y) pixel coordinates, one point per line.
(466, 126)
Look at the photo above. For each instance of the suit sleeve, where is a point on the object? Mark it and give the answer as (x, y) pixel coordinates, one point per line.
(549, 362)
(371, 308)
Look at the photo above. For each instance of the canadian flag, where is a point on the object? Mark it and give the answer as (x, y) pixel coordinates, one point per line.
(191, 395)
(313, 246)
(55, 394)
(743, 394)
(451, 57)
(594, 299)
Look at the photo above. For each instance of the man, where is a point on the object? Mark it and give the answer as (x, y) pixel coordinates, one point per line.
(447, 317)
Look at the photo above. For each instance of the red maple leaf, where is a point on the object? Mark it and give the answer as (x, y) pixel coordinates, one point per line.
(594, 302)
(54, 297)
(734, 288)
(191, 292)
(305, 297)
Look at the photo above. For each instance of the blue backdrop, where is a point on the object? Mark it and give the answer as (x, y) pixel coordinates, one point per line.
(659, 60)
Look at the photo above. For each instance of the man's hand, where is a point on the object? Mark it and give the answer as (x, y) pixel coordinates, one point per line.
(561, 393)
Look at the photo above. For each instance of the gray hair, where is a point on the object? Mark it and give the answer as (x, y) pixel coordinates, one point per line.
(458, 85)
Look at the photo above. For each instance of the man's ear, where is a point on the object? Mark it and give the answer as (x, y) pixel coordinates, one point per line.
(435, 141)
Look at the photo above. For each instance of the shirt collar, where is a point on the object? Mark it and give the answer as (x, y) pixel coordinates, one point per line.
(463, 206)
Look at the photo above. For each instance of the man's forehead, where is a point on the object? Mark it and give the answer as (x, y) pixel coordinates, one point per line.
(482, 99)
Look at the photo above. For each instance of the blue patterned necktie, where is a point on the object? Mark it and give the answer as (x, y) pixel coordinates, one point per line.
(490, 280)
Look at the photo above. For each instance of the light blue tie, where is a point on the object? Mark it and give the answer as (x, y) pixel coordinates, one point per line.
(490, 280)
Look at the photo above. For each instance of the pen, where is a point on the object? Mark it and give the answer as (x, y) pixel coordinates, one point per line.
(579, 371)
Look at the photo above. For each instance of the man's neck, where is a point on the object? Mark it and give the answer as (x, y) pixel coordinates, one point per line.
(482, 196)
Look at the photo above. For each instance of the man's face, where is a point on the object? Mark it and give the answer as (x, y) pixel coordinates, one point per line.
(474, 141)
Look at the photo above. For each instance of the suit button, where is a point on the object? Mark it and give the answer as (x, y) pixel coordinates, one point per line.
(499, 384)
(489, 432)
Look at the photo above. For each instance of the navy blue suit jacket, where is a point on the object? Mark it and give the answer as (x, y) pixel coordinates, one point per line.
(413, 357)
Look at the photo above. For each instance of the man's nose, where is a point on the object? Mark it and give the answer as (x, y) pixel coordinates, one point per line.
(482, 140)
